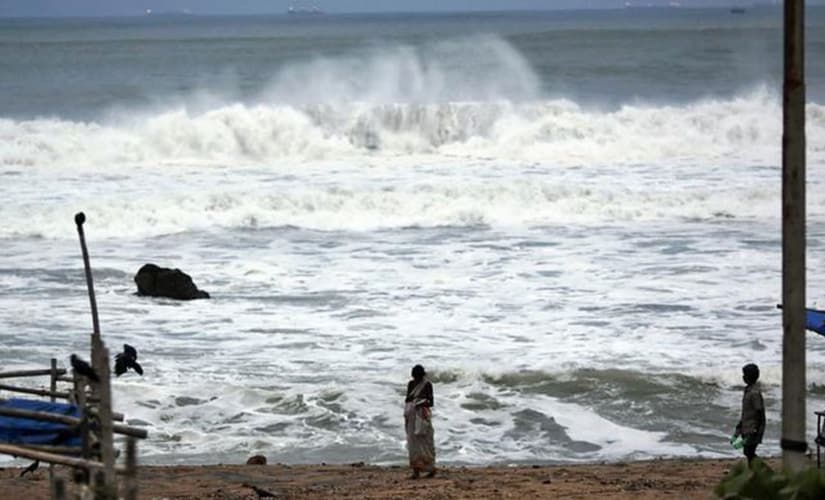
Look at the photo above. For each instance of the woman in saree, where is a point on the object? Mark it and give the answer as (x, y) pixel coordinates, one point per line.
(418, 423)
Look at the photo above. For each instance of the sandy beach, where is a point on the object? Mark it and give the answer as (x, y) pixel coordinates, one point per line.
(679, 479)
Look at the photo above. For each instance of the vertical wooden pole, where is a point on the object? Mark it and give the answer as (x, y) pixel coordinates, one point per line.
(53, 378)
(53, 389)
(80, 396)
(103, 392)
(79, 219)
(59, 491)
(131, 485)
(85, 438)
(793, 241)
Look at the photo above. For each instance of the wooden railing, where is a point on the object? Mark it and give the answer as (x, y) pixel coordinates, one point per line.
(87, 396)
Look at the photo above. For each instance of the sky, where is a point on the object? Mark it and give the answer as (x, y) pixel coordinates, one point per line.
(49, 8)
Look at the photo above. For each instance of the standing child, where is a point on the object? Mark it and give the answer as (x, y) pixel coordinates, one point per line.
(751, 424)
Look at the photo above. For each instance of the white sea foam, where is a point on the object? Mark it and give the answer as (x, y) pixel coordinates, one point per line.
(558, 133)
(497, 204)
(492, 165)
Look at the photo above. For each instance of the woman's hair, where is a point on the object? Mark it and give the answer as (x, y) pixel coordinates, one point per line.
(418, 372)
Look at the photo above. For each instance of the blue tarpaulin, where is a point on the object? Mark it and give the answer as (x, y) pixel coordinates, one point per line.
(815, 321)
(16, 430)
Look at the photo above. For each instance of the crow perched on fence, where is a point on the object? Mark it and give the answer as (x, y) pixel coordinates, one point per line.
(83, 368)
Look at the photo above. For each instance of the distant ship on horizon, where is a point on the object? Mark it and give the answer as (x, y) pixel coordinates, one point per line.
(304, 11)
(168, 13)
(649, 5)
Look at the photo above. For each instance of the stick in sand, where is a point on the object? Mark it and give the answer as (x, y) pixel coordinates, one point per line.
(99, 362)
(79, 219)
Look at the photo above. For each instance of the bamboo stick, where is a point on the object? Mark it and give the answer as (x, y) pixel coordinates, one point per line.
(53, 378)
(100, 360)
(79, 384)
(53, 390)
(36, 392)
(56, 394)
(115, 415)
(60, 450)
(79, 219)
(69, 420)
(21, 451)
(130, 481)
(31, 373)
(59, 492)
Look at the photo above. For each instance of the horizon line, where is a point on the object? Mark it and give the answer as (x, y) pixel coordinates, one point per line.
(186, 13)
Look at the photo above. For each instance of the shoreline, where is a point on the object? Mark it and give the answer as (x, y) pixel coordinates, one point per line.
(680, 478)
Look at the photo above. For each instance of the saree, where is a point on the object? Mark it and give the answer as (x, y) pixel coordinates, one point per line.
(420, 434)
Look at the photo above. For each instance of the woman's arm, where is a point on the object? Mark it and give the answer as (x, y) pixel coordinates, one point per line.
(409, 389)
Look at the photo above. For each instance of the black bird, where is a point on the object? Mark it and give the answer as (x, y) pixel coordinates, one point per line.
(127, 359)
(262, 493)
(84, 369)
(31, 468)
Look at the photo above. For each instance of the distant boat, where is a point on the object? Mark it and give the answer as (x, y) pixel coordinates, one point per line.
(304, 11)
(169, 13)
(737, 10)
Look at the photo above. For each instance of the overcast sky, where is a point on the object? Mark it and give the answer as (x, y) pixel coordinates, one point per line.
(48, 8)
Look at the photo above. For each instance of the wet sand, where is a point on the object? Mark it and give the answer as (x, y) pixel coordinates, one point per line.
(656, 479)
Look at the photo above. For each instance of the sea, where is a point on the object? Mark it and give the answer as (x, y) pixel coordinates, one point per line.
(571, 219)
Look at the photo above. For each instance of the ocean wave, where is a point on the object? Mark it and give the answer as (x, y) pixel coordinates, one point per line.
(742, 130)
(499, 204)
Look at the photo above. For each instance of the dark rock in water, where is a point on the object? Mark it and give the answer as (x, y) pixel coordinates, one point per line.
(256, 460)
(156, 281)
